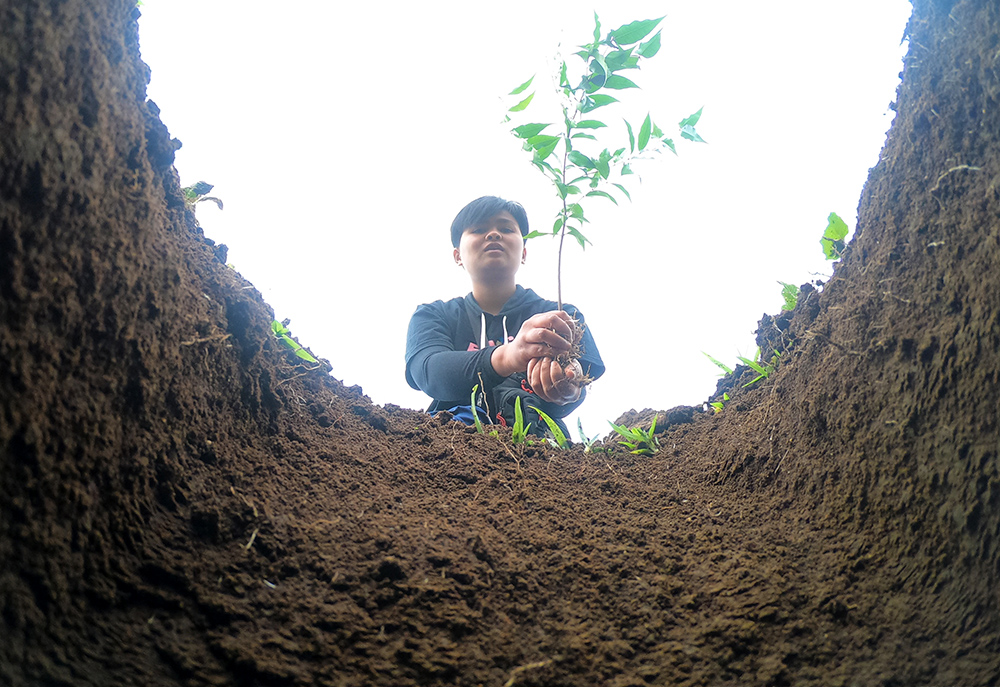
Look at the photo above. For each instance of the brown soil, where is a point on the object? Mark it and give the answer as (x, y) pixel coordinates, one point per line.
(181, 504)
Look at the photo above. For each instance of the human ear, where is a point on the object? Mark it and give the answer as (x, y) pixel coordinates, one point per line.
(458, 257)
(524, 254)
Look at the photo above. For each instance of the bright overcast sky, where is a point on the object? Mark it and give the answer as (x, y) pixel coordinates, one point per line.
(344, 137)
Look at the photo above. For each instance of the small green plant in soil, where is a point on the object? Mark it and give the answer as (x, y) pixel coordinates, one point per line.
(833, 237)
(719, 405)
(198, 193)
(589, 443)
(475, 410)
(762, 369)
(519, 433)
(558, 439)
(790, 293)
(638, 440)
(284, 337)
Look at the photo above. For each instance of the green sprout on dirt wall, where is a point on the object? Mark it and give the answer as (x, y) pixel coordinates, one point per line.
(198, 193)
(571, 156)
(284, 337)
(833, 237)
(639, 441)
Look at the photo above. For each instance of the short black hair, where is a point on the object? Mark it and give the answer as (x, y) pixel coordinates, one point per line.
(482, 209)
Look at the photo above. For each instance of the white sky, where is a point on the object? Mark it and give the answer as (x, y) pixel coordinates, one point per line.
(344, 137)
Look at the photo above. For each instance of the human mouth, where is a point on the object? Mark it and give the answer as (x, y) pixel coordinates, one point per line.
(493, 247)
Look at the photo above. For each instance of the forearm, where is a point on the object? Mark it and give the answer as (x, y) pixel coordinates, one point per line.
(450, 375)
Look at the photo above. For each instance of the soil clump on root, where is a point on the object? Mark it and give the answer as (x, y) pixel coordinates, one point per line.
(181, 503)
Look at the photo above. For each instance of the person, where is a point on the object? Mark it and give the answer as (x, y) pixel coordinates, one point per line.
(501, 337)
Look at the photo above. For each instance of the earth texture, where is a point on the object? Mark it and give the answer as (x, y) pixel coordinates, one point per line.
(184, 502)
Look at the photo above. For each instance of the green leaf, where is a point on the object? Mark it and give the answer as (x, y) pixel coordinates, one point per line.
(690, 134)
(650, 47)
(565, 189)
(581, 239)
(620, 59)
(691, 120)
(592, 102)
(305, 355)
(603, 163)
(557, 226)
(655, 133)
(836, 228)
(670, 144)
(597, 29)
(634, 31)
(522, 87)
(576, 211)
(625, 191)
(617, 83)
(592, 138)
(534, 235)
(563, 79)
(475, 410)
(523, 104)
(627, 169)
(544, 152)
(833, 237)
(589, 124)
(644, 131)
(553, 427)
(529, 130)
(631, 137)
(603, 194)
(790, 292)
(580, 160)
(541, 141)
(722, 366)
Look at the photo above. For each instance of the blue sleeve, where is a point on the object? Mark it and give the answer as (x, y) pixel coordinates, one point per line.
(435, 367)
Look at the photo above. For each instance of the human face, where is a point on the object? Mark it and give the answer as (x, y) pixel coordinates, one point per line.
(492, 248)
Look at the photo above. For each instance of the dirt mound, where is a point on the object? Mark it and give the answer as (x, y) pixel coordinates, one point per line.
(183, 502)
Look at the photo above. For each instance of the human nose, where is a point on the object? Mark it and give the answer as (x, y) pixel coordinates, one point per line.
(493, 234)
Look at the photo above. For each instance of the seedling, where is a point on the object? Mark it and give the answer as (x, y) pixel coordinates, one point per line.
(726, 370)
(475, 410)
(588, 442)
(197, 194)
(596, 168)
(640, 441)
(719, 405)
(833, 237)
(519, 433)
(790, 292)
(284, 336)
(763, 371)
(558, 438)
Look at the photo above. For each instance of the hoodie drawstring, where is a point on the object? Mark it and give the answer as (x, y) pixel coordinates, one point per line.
(482, 331)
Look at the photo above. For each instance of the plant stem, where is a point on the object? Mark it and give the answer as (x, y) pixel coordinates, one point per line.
(562, 231)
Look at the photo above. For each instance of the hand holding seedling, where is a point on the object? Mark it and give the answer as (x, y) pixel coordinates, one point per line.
(543, 335)
(554, 384)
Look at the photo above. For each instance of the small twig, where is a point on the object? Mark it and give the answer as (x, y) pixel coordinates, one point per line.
(206, 339)
(520, 669)
(937, 184)
(253, 538)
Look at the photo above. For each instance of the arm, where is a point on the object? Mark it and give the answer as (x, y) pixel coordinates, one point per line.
(432, 363)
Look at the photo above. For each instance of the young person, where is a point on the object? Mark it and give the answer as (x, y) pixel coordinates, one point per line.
(502, 337)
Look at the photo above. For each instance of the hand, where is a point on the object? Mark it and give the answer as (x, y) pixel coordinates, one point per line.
(552, 383)
(544, 335)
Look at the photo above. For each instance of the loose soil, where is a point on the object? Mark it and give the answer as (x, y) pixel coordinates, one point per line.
(182, 504)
